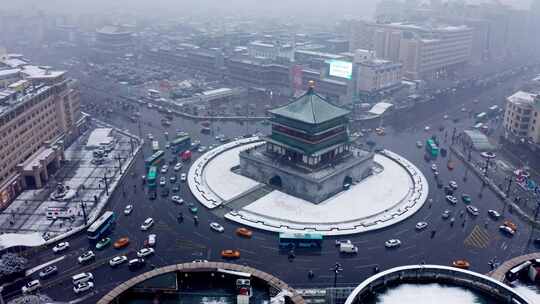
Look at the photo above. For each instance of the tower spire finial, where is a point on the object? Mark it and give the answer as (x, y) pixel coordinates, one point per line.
(311, 86)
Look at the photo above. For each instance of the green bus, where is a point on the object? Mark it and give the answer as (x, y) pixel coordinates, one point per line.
(180, 144)
(151, 177)
(300, 240)
(432, 148)
(154, 159)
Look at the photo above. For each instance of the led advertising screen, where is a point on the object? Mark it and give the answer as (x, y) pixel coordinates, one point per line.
(342, 69)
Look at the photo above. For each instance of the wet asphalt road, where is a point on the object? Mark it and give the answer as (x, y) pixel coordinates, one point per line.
(183, 242)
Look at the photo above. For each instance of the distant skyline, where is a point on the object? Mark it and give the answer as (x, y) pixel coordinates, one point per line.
(334, 9)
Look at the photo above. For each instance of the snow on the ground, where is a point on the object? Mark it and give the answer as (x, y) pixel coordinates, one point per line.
(374, 195)
(221, 180)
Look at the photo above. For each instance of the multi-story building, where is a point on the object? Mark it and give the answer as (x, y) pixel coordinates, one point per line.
(361, 35)
(260, 74)
(522, 117)
(271, 51)
(36, 112)
(377, 75)
(426, 51)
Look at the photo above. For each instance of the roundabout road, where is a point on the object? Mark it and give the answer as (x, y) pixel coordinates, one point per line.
(181, 242)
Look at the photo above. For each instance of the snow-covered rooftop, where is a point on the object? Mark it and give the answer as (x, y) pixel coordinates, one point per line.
(380, 108)
(8, 240)
(99, 137)
(522, 97)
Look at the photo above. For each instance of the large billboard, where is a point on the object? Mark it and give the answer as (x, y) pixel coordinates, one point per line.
(342, 69)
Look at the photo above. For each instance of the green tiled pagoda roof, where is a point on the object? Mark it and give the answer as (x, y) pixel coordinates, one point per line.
(310, 108)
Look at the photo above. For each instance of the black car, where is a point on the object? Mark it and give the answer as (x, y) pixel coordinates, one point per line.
(48, 271)
(165, 192)
(175, 189)
(152, 195)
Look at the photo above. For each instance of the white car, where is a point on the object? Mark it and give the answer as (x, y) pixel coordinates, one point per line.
(473, 210)
(199, 261)
(434, 167)
(216, 227)
(128, 209)
(162, 181)
(31, 286)
(150, 136)
(167, 146)
(147, 224)
(165, 168)
(392, 243)
(144, 252)
(453, 185)
(445, 117)
(172, 179)
(152, 240)
(427, 128)
(183, 177)
(488, 155)
(494, 214)
(421, 225)
(60, 247)
(177, 199)
(47, 272)
(117, 260)
(451, 199)
(85, 257)
(507, 230)
(446, 214)
(177, 167)
(82, 287)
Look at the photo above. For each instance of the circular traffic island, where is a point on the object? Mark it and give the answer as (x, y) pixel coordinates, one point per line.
(393, 190)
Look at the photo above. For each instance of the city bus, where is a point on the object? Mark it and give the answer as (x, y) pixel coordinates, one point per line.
(155, 146)
(154, 159)
(153, 94)
(151, 177)
(432, 148)
(180, 144)
(300, 240)
(101, 226)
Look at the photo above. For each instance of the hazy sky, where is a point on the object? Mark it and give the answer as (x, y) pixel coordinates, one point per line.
(322, 8)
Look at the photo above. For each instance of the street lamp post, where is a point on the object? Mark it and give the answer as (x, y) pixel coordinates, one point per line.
(83, 207)
(336, 270)
(106, 183)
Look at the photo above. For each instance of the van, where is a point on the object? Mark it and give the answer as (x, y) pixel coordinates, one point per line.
(346, 247)
(82, 278)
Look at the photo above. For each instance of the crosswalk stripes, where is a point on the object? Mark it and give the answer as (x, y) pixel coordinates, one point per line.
(478, 238)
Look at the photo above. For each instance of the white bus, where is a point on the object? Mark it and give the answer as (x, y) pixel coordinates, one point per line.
(101, 226)
(155, 145)
(153, 94)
